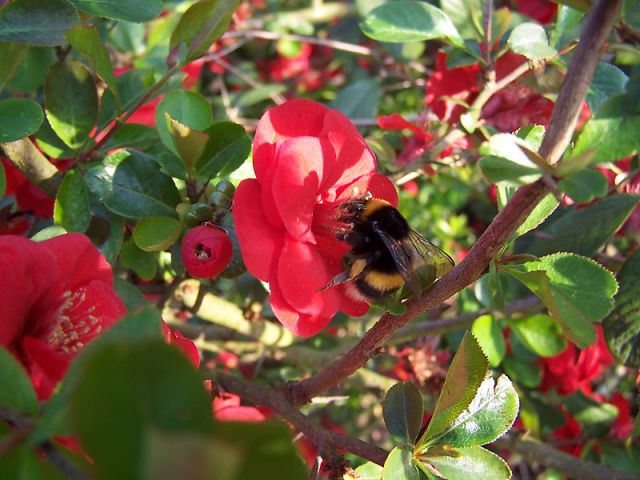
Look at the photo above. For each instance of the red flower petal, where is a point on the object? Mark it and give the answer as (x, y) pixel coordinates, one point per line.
(302, 272)
(46, 366)
(186, 346)
(260, 243)
(296, 179)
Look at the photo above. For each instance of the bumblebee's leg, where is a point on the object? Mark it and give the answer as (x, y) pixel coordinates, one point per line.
(337, 280)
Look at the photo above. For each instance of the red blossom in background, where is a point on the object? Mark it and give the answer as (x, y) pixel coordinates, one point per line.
(28, 196)
(308, 160)
(507, 110)
(57, 295)
(569, 431)
(186, 346)
(574, 369)
(206, 251)
(542, 11)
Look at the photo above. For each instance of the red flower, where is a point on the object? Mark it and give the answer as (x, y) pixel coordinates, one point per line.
(28, 196)
(569, 432)
(186, 346)
(56, 296)
(308, 160)
(574, 369)
(206, 251)
(227, 407)
(543, 11)
(509, 109)
(622, 427)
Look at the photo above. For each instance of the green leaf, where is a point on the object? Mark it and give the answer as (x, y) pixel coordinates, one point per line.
(139, 389)
(399, 465)
(524, 373)
(23, 463)
(584, 185)
(71, 102)
(407, 21)
(530, 40)
(488, 417)
(498, 169)
(467, 372)
(132, 135)
(188, 108)
(596, 417)
(489, 335)
(71, 209)
(88, 42)
(12, 55)
(611, 132)
(466, 15)
(35, 22)
(228, 147)
(130, 184)
(622, 326)
(189, 143)
(608, 81)
(539, 333)
(48, 232)
(17, 393)
(201, 25)
(580, 291)
(402, 410)
(265, 450)
(145, 264)
(359, 99)
(473, 462)
(154, 234)
(31, 73)
(19, 118)
(369, 471)
(131, 295)
(127, 10)
(568, 233)
(110, 248)
(256, 95)
(539, 214)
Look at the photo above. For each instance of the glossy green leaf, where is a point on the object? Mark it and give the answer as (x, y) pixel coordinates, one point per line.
(409, 21)
(467, 372)
(524, 373)
(145, 264)
(608, 81)
(139, 389)
(131, 296)
(256, 95)
(188, 108)
(539, 333)
(622, 326)
(369, 471)
(399, 465)
(201, 25)
(189, 143)
(489, 416)
(48, 232)
(19, 118)
(595, 416)
(31, 73)
(154, 234)
(498, 169)
(88, 42)
(539, 214)
(16, 393)
(359, 99)
(130, 184)
(12, 55)
(530, 40)
(474, 462)
(568, 233)
(71, 102)
(466, 15)
(578, 292)
(489, 335)
(584, 185)
(110, 248)
(127, 10)
(611, 132)
(402, 410)
(71, 209)
(228, 147)
(132, 135)
(35, 22)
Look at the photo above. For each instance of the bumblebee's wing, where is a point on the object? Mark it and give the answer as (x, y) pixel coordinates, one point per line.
(418, 261)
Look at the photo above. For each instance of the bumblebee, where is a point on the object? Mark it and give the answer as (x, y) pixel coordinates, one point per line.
(386, 254)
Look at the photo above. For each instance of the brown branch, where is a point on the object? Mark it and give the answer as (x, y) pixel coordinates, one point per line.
(597, 26)
(319, 436)
(34, 165)
(536, 452)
